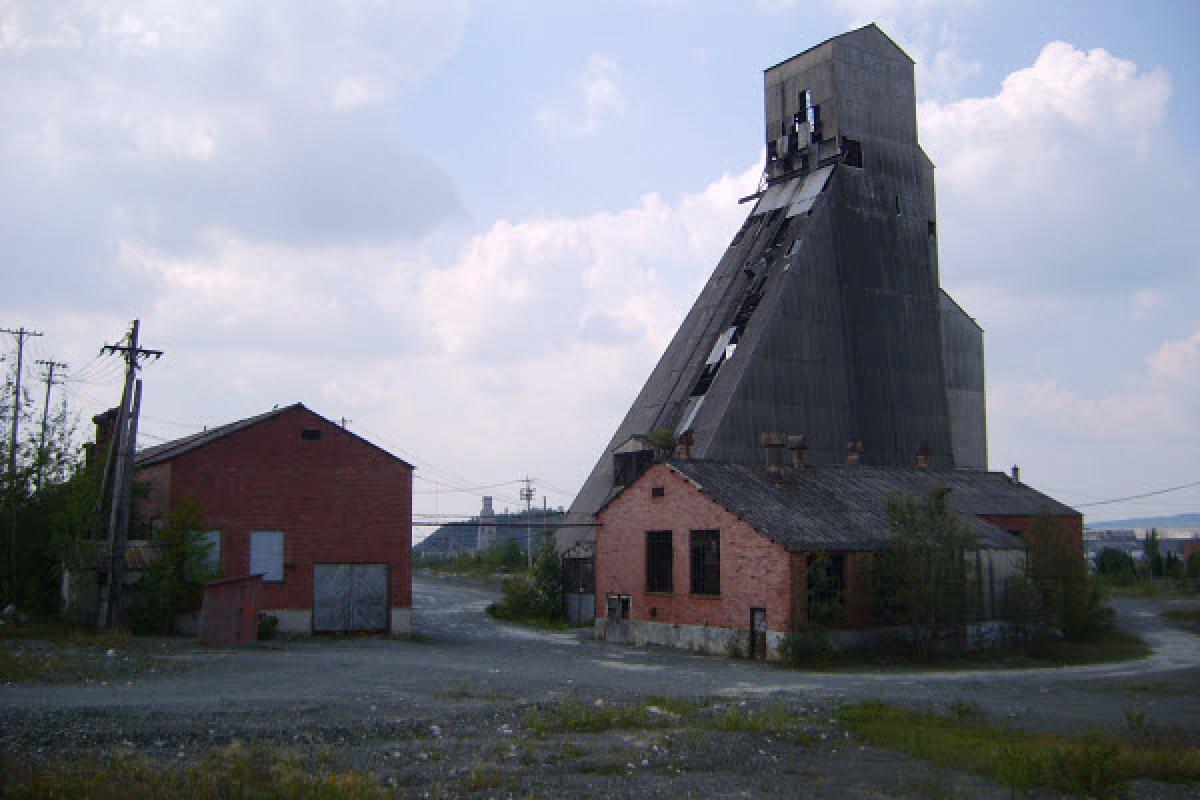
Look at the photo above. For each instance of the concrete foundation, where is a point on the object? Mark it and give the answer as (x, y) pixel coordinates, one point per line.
(696, 638)
(401, 621)
(291, 620)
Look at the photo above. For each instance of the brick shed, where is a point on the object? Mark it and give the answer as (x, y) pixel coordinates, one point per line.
(324, 515)
(698, 554)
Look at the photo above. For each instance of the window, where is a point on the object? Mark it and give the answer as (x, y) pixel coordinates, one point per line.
(266, 555)
(617, 607)
(826, 588)
(852, 152)
(310, 434)
(658, 491)
(706, 562)
(209, 543)
(660, 561)
(932, 228)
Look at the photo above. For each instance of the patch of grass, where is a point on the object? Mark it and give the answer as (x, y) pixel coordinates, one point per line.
(772, 721)
(961, 709)
(1092, 765)
(574, 716)
(228, 772)
(1101, 648)
(485, 775)
(463, 690)
(496, 611)
(1186, 618)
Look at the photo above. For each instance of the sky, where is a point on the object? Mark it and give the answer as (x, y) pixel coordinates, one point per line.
(471, 228)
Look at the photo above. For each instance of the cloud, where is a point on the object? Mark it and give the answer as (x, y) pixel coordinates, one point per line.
(599, 99)
(151, 125)
(1068, 150)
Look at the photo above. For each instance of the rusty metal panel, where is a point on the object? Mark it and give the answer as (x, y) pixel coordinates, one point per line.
(368, 597)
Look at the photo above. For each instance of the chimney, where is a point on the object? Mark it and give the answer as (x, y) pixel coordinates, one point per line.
(923, 453)
(854, 451)
(774, 443)
(683, 446)
(106, 425)
(1016, 474)
(797, 444)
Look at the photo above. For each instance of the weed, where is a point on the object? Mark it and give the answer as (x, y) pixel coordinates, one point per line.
(1092, 765)
(1135, 720)
(256, 772)
(579, 717)
(484, 776)
(962, 710)
(1186, 618)
(774, 721)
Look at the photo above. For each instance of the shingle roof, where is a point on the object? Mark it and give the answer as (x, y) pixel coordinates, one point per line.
(846, 507)
(177, 447)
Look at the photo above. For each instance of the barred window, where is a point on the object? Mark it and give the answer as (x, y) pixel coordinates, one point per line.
(660, 561)
(706, 562)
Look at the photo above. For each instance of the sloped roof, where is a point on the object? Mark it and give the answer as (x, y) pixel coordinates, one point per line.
(846, 507)
(857, 32)
(177, 447)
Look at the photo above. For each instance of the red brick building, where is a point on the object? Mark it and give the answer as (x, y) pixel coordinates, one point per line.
(698, 554)
(324, 515)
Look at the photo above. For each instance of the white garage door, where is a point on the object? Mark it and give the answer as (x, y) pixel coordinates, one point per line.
(350, 597)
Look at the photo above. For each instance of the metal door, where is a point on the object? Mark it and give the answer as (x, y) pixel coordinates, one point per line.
(350, 597)
(758, 633)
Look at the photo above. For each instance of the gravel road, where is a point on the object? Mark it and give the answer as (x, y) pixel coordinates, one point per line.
(457, 693)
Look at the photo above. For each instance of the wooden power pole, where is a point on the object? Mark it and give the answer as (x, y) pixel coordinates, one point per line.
(41, 453)
(122, 452)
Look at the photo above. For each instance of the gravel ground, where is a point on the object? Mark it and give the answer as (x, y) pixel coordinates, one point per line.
(448, 713)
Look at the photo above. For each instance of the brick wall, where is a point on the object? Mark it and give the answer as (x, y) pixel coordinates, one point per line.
(1023, 525)
(337, 500)
(754, 569)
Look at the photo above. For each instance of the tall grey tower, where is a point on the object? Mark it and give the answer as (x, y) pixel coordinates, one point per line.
(825, 317)
(485, 531)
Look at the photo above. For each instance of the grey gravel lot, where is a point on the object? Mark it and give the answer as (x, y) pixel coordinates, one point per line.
(444, 714)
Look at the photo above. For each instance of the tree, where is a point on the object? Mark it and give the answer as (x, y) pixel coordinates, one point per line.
(920, 579)
(1152, 554)
(174, 581)
(1116, 565)
(1070, 599)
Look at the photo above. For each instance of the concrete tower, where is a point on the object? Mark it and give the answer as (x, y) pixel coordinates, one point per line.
(824, 318)
(485, 531)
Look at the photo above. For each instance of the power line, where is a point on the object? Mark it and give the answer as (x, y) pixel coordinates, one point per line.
(1138, 496)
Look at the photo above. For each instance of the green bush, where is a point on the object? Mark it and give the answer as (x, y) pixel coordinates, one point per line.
(268, 624)
(804, 646)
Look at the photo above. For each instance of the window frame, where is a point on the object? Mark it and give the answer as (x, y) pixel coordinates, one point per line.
(704, 551)
(660, 562)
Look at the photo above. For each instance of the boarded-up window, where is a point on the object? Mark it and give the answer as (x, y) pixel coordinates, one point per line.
(266, 555)
(706, 562)
(209, 545)
(659, 561)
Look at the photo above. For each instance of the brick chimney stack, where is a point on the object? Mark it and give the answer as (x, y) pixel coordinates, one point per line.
(797, 444)
(774, 443)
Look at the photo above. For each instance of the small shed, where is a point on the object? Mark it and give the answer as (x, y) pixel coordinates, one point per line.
(229, 613)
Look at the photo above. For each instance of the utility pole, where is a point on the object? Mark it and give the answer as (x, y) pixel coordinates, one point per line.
(41, 454)
(527, 496)
(21, 334)
(122, 453)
